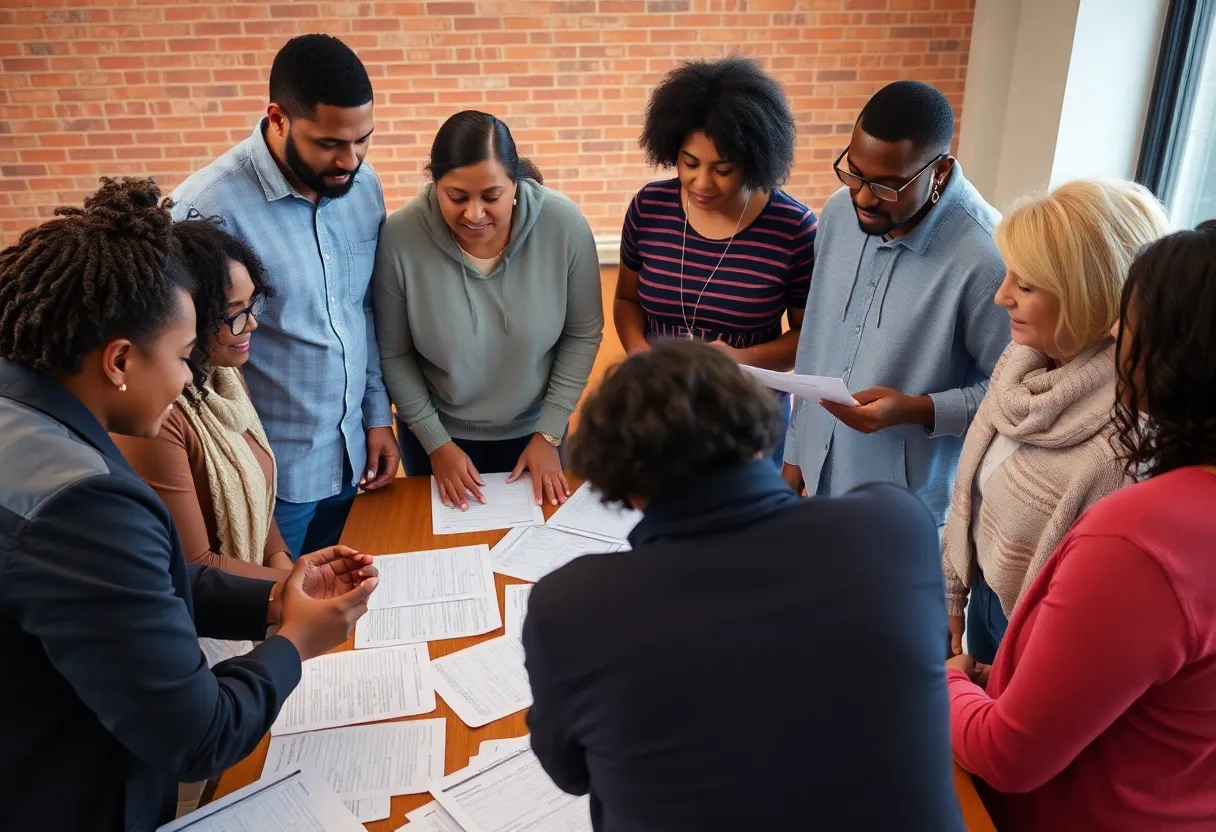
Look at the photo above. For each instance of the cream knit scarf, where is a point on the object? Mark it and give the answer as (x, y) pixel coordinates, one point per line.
(243, 499)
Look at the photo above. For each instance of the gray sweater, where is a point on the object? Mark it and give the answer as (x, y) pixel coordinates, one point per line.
(483, 357)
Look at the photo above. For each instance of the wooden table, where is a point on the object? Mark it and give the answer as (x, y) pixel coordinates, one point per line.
(398, 519)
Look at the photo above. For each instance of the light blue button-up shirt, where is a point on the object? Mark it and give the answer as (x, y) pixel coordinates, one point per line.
(314, 367)
(915, 314)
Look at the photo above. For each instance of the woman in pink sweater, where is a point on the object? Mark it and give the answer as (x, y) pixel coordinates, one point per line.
(1100, 711)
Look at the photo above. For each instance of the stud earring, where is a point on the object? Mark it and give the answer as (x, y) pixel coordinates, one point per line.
(514, 201)
(122, 388)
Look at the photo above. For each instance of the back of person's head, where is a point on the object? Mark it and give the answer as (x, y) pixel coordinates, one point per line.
(910, 110)
(471, 137)
(317, 69)
(665, 418)
(740, 108)
(1077, 243)
(1167, 354)
(90, 275)
(208, 251)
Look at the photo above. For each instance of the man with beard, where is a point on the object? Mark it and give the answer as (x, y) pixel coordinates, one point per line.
(901, 307)
(297, 192)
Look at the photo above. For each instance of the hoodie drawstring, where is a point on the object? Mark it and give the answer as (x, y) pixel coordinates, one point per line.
(464, 282)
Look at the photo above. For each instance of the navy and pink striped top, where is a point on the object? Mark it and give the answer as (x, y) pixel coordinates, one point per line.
(766, 270)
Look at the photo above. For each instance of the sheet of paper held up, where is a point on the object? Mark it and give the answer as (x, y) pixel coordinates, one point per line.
(457, 574)
(585, 513)
(484, 682)
(359, 686)
(511, 792)
(382, 760)
(811, 388)
(517, 607)
(506, 506)
(532, 552)
(296, 801)
(370, 808)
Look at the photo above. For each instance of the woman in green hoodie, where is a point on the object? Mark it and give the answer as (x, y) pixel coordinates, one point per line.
(488, 314)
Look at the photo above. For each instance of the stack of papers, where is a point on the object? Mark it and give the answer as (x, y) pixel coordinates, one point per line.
(532, 552)
(506, 506)
(585, 513)
(423, 596)
(359, 686)
(484, 682)
(295, 801)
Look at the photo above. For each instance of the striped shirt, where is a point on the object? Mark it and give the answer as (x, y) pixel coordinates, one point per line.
(766, 268)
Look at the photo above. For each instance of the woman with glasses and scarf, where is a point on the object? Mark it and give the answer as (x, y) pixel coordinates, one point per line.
(211, 463)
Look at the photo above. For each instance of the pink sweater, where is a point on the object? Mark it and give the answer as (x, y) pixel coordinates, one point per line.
(1101, 709)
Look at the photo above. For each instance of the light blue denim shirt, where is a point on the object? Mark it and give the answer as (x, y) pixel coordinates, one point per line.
(314, 366)
(915, 314)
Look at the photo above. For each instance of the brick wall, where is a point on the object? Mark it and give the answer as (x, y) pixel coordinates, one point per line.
(160, 87)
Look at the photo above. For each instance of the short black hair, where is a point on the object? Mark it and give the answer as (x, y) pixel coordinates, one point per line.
(317, 69)
(910, 110)
(1171, 288)
(742, 110)
(206, 249)
(469, 138)
(107, 270)
(665, 418)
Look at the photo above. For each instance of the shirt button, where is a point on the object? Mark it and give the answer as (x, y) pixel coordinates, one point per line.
(326, 256)
(857, 329)
(827, 445)
(846, 369)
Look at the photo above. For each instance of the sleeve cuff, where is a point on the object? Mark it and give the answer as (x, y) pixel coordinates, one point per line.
(956, 604)
(282, 659)
(553, 420)
(949, 414)
(377, 411)
(431, 433)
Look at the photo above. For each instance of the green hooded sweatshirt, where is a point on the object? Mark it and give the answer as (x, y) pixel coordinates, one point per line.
(485, 357)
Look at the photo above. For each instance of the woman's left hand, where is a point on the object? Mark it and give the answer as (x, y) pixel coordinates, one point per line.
(548, 480)
(966, 664)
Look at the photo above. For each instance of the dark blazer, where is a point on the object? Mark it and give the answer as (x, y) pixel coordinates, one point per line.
(757, 662)
(106, 698)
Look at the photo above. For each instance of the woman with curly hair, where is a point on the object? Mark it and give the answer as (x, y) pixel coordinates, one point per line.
(720, 253)
(1100, 711)
(211, 463)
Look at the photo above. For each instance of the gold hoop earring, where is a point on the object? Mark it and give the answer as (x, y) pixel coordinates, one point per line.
(936, 194)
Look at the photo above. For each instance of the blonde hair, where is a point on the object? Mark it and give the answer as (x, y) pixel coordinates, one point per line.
(1077, 242)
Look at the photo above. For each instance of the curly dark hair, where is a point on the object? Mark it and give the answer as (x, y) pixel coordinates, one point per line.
(665, 418)
(1169, 347)
(737, 105)
(106, 270)
(206, 250)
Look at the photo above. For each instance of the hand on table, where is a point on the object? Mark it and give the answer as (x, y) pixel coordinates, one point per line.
(455, 476)
(545, 464)
(323, 597)
(881, 407)
(383, 457)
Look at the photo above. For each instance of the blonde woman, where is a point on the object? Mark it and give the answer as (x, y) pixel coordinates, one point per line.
(1039, 450)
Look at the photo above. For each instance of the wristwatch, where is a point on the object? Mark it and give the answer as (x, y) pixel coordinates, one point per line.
(555, 441)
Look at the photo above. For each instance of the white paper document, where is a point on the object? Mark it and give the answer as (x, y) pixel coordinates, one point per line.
(431, 818)
(382, 760)
(509, 793)
(811, 388)
(296, 801)
(359, 686)
(507, 505)
(456, 574)
(517, 608)
(585, 513)
(532, 552)
(427, 622)
(484, 682)
(216, 650)
(370, 808)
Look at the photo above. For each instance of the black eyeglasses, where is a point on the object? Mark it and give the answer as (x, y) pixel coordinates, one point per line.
(884, 192)
(239, 322)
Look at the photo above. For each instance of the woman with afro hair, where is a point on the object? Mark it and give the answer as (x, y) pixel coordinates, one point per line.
(719, 253)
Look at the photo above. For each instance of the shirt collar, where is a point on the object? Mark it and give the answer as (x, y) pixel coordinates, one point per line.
(42, 393)
(727, 498)
(274, 183)
(919, 238)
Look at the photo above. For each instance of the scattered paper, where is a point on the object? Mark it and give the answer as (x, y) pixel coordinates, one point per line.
(511, 792)
(585, 513)
(382, 760)
(517, 608)
(217, 650)
(427, 622)
(484, 682)
(811, 388)
(506, 505)
(532, 552)
(431, 818)
(296, 801)
(359, 686)
(370, 808)
(456, 574)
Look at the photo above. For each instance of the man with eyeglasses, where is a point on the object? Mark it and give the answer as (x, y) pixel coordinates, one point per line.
(901, 307)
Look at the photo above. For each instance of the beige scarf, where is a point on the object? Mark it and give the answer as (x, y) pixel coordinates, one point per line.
(243, 499)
